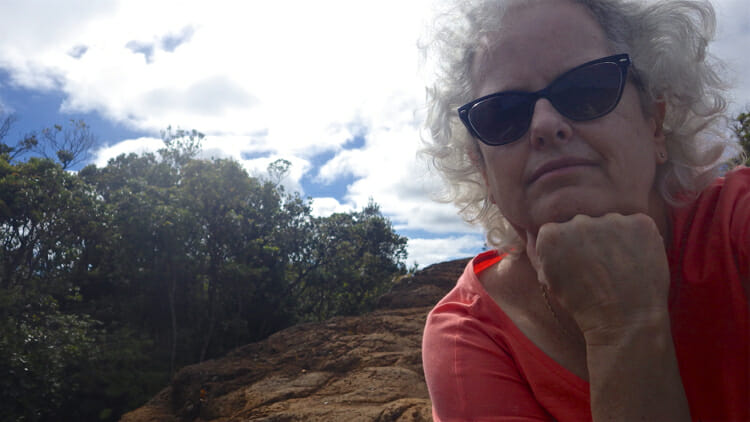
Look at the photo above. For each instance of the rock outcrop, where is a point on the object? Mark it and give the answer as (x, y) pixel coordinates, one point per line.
(365, 368)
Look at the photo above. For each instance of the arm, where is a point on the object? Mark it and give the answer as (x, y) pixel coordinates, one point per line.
(610, 274)
(633, 375)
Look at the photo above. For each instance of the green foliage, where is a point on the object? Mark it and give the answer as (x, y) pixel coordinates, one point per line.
(43, 352)
(180, 146)
(349, 262)
(48, 221)
(741, 128)
(68, 144)
(10, 152)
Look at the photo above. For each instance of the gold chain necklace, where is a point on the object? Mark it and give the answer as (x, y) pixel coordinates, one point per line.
(545, 295)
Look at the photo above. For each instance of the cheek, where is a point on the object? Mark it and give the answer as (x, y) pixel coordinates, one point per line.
(626, 140)
(629, 157)
(505, 186)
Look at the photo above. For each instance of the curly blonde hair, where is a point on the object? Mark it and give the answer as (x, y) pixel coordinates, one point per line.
(667, 41)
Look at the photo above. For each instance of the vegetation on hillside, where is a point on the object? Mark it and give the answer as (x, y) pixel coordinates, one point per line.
(113, 278)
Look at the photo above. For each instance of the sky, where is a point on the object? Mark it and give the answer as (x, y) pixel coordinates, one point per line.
(332, 86)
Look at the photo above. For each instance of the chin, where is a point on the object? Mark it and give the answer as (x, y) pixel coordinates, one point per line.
(566, 210)
(557, 217)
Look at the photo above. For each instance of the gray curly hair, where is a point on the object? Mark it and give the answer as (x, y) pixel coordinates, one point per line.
(667, 41)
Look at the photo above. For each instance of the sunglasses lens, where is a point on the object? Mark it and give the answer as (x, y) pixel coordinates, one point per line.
(588, 92)
(501, 119)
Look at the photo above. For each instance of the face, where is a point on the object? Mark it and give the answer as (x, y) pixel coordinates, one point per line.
(561, 168)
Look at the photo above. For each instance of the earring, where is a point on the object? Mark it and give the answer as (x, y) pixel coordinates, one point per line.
(663, 156)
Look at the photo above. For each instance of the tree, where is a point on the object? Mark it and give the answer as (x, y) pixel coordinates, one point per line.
(149, 246)
(10, 153)
(741, 128)
(180, 146)
(278, 170)
(349, 261)
(69, 145)
(142, 277)
(43, 352)
(216, 194)
(198, 237)
(48, 222)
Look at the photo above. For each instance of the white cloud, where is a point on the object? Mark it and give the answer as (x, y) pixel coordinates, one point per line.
(137, 146)
(300, 72)
(258, 167)
(387, 170)
(429, 251)
(269, 80)
(732, 41)
(325, 206)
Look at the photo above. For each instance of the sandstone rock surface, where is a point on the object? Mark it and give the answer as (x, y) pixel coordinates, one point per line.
(365, 368)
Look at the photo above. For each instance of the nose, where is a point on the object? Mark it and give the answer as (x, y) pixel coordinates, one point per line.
(548, 126)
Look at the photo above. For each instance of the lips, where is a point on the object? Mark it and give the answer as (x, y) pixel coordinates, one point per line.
(557, 164)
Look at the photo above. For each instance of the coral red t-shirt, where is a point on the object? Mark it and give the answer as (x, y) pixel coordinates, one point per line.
(479, 366)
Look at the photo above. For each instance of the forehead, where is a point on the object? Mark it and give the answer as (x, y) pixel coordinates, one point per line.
(536, 42)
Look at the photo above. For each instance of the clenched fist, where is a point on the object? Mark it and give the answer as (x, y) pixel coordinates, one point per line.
(609, 273)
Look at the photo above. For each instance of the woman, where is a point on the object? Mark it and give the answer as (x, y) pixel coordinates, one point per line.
(582, 134)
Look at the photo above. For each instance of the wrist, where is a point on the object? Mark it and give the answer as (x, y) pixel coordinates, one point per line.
(654, 328)
(634, 374)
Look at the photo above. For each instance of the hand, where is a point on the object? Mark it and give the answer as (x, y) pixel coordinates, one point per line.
(609, 273)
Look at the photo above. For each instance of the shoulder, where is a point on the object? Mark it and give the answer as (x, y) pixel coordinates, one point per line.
(735, 197)
(468, 359)
(725, 202)
(488, 277)
(466, 313)
(481, 311)
(467, 300)
(715, 226)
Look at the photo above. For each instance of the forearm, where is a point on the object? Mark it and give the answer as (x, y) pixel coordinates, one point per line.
(634, 375)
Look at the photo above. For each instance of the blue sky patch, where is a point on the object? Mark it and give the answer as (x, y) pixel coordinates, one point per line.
(35, 110)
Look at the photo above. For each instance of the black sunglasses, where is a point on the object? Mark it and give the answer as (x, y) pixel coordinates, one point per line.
(586, 92)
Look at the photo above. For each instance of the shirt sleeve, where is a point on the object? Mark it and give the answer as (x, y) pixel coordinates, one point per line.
(470, 375)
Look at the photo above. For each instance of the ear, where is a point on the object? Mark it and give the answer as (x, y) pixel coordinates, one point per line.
(659, 138)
